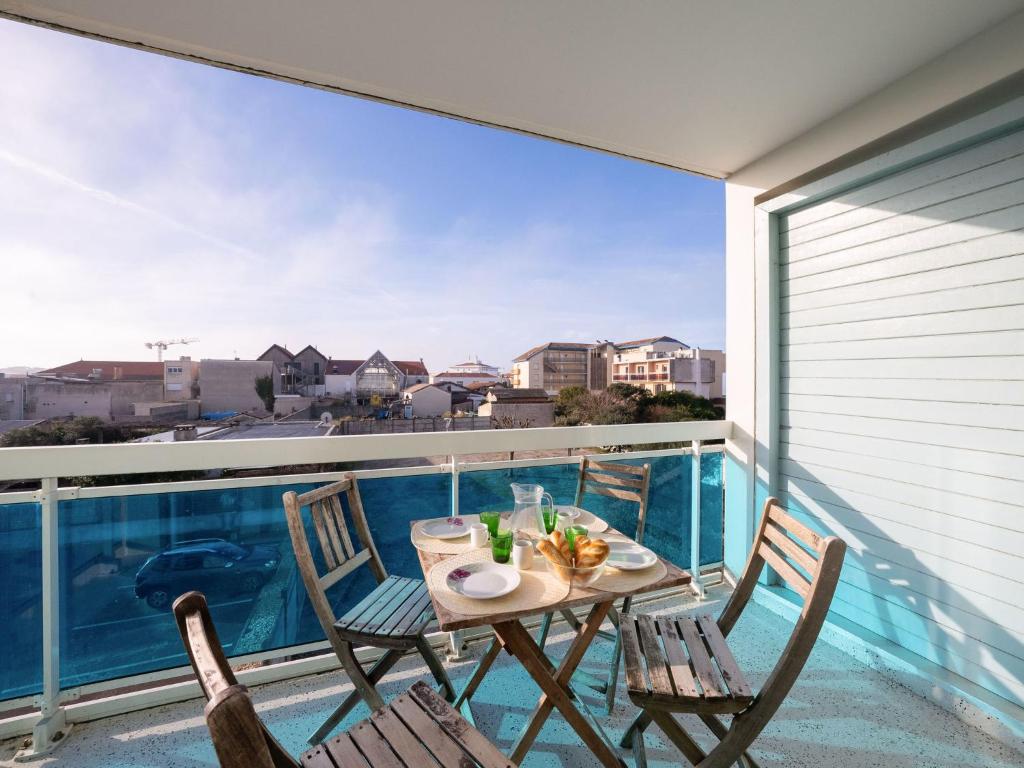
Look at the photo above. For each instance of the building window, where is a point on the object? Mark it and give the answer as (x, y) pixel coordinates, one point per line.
(173, 370)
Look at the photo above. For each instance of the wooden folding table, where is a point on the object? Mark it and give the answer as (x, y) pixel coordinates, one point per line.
(554, 682)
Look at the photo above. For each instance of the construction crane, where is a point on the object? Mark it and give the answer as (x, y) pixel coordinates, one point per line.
(160, 346)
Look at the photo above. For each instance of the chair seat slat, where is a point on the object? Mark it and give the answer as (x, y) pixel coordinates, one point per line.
(479, 748)
(372, 744)
(657, 669)
(635, 677)
(699, 657)
(345, 753)
(379, 610)
(678, 663)
(414, 619)
(319, 757)
(402, 740)
(727, 665)
(392, 582)
(434, 737)
(794, 579)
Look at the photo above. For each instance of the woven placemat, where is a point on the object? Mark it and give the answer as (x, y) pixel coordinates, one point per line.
(443, 546)
(614, 580)
(537, 588)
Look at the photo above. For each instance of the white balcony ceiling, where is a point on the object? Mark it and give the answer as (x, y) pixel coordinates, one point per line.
(704, 86)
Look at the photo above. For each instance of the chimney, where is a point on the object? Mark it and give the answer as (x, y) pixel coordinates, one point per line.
(184, 432)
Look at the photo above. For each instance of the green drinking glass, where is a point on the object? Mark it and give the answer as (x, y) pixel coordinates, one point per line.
(550, 519)
(491, 520)
(572, 532)
(501, 546)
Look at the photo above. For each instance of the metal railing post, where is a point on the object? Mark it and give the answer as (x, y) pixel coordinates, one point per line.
(52, 727)
(455, 641)
(695, 477)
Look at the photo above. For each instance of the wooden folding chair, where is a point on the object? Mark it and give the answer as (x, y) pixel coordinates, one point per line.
(683, 665)
(394, 616)
(417, 729)
(628, 484)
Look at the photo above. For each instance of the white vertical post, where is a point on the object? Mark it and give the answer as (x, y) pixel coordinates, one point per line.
(697, 584)
(454, 469)
(52, 726)
(455, 644)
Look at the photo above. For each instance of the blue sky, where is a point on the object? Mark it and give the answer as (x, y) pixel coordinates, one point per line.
(142, 197)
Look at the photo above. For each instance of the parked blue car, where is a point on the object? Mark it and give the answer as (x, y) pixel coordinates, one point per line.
(212, 566)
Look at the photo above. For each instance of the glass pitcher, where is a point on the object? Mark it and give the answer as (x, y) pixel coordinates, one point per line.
(528, 515)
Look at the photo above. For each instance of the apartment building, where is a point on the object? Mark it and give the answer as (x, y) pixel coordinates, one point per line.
(559, 364)
(658, 364)
(664, 364)
(375, 378)
(470, 372)
(181, 379)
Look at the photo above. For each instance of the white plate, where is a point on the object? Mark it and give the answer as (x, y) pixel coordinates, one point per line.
(629, 556)
(594, 523)
(446, 528)
(482, 580)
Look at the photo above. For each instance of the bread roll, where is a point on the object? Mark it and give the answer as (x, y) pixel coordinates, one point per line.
(552, 552)
(592, 552)
(558, 539)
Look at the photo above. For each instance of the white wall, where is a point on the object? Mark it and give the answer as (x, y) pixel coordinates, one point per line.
(923, 571)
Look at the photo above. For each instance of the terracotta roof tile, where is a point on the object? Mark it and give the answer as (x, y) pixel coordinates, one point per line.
(109, 370)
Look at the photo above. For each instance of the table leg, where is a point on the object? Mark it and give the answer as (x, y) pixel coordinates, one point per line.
(555, 684)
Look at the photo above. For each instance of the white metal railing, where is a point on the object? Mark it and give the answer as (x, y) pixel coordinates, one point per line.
(49, 463)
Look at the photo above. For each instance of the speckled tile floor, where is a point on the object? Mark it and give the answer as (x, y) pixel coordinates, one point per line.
(840, 713)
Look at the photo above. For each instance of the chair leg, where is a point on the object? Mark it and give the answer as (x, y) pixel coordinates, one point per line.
(545, 627)
(613, 675)
(436, 668)
(365, 689)
(636, 728)
(678, 736)
(719, 728)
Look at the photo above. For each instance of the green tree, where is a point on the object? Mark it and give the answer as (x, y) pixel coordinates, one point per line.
(265, 390)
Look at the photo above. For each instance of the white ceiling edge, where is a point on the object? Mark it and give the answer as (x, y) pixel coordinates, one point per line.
(877, 114)
(31, 13)
(985, 59)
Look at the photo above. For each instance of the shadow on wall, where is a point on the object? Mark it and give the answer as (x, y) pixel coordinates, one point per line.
(915, 597)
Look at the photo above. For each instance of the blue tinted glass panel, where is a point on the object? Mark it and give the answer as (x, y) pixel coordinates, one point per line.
(125, 559)
(667, 531)
(21, 569)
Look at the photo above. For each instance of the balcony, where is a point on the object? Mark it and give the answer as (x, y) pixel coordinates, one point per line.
(80, 631)
(640, 377)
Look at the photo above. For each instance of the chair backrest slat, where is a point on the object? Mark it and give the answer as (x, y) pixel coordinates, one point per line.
(617, 481)
(339, 553)
(788, 523)
(239, 736)
(792, 577)
(791, 548)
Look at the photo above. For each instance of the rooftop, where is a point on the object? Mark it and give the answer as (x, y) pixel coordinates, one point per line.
(571, 346)
(645, 342)
(270, 429)
(869, 720)
(108, 370)
(8, 425)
